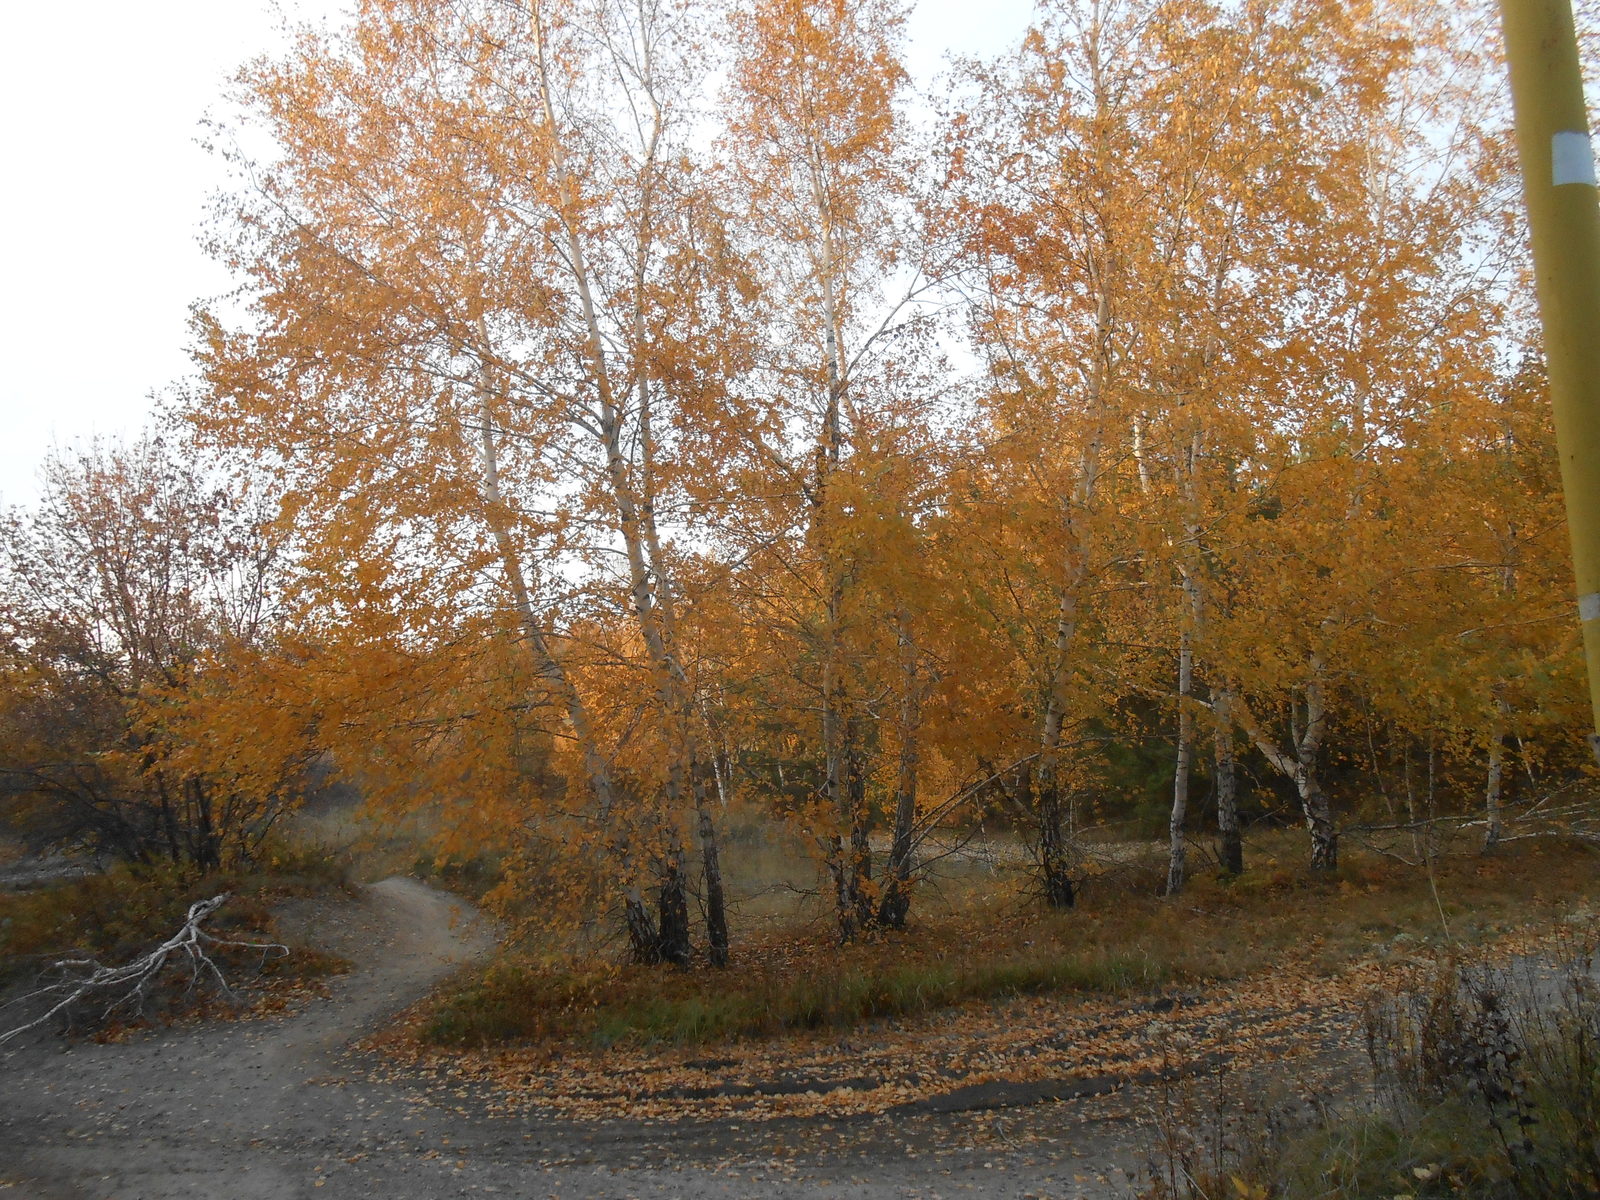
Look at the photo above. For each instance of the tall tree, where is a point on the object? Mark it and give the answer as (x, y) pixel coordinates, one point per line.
(1388, 312)
(1045, 200)
(820, 157)
(494, 306)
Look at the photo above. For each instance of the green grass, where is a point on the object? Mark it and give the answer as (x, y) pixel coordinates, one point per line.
(517, 1001)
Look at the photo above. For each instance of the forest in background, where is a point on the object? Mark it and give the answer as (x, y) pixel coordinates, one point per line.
(632, 415)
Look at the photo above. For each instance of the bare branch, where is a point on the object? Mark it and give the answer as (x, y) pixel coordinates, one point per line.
(127, 986)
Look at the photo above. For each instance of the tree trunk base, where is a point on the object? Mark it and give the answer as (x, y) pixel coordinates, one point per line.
(1059, 890)
(1231, 853)
(673, 921)
(896, 905)
(1324, 851)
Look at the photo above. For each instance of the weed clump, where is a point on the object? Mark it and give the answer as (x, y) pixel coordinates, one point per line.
(1486, 1084)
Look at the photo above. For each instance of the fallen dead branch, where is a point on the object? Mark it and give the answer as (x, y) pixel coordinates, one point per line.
(85, 982)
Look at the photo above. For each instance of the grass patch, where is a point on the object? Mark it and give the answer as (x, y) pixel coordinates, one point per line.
(985, 939)
(520, 1001)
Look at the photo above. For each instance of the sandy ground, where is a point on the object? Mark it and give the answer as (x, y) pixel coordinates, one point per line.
(285, 1107)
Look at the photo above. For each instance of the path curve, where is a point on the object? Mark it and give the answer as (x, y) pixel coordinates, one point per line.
(169, 1114)
(289, 1108)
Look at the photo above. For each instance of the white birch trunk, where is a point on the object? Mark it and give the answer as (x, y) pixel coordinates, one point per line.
(1492, 830)
(649, 576)
(1299, 765)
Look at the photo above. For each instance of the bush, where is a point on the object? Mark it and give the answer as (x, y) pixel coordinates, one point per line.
(138, 719)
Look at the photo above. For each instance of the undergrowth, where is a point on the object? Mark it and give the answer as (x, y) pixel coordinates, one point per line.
(992, 941)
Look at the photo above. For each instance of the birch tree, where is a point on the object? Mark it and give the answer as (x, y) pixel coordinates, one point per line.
(495, 326)
(820, 159)
(1044, 199)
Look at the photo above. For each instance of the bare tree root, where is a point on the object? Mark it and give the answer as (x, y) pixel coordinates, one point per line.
(128, 988)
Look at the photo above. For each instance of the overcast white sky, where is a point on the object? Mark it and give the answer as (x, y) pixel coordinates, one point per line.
(105, 189)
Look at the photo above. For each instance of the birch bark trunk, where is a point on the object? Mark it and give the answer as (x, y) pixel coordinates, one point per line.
(896, 902)
(1299, 765)
(1492, 830)
(850, 851)
(1056, 856)
(643, 933)
(649, 575)
(1231, 848)
(1176, 845)
(1189, 566)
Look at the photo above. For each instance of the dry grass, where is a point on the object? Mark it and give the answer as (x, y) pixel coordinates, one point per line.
(117, 915)
(368, 848)
(1484, 1085)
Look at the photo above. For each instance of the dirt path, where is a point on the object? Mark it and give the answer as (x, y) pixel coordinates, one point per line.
(283, 1107)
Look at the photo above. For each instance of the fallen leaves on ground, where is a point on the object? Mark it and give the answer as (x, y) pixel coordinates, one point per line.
(1092, 1045)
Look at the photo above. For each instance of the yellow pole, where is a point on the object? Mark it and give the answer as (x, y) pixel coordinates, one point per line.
(1558, 183)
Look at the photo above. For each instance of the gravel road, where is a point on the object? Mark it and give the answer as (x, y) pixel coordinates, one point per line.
(283, 1107)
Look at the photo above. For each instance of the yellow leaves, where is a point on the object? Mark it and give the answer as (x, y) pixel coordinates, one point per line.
(598, 459)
